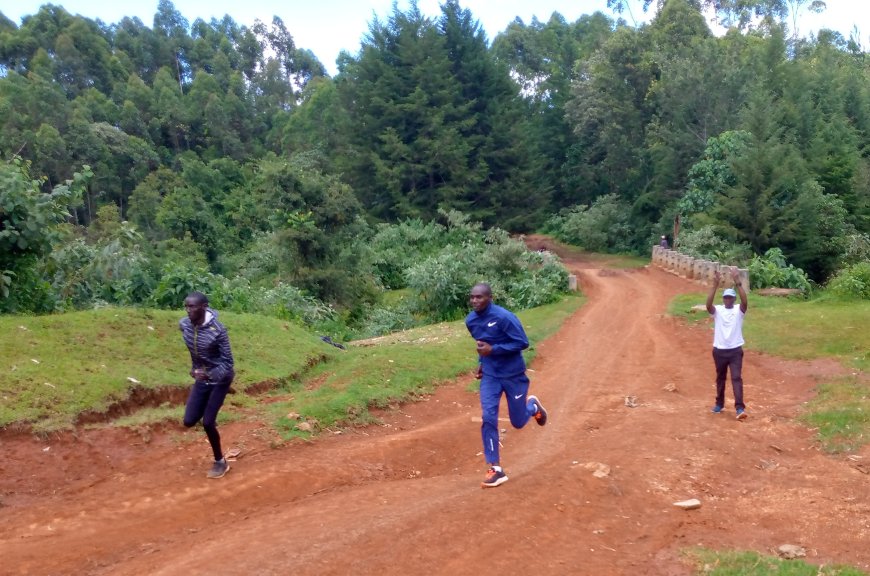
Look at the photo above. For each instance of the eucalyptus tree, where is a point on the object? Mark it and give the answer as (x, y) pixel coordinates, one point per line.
(137, 46)
(695, 94)
(730, 12)
(542, 59)
(34, 113)
(608, 112)
(173, 42)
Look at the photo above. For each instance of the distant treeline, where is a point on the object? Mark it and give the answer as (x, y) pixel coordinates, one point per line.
(229, 144)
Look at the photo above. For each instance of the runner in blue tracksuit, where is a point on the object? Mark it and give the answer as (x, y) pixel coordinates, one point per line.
(500, 343)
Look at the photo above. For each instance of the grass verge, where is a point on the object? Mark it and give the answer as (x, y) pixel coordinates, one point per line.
(383, 371)
(841, 414)
(794, 328)
(57, 367)
(736, 563)
(801, 329)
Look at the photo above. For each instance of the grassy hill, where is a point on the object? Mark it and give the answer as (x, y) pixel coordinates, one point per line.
(62, 366)
(57, 367)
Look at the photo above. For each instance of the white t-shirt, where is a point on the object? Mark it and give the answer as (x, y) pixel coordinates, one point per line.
(727, 327)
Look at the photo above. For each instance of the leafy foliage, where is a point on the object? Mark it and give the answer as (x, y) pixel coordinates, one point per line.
(239, 166)
(396, 247)
(456, 256)
(852, 282)
(602, 226)
(706, 244)
(772, 270)
(28, 223)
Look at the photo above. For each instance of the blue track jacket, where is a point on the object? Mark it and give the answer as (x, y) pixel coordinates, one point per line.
(209, 347)
(501, 329)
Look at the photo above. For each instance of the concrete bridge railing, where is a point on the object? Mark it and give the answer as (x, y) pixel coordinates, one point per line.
(695, 269)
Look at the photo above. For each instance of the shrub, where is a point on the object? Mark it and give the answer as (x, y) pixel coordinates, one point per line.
(177, 281)
(772, 271)
(519, 277)
(441, 282)
(600, 227)
(111, 269)
(396, 247)
(705, 244)
(852, 282)
(290, 303)
(382, 320)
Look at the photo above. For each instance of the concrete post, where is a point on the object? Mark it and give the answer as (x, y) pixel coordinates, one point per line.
(572, 282)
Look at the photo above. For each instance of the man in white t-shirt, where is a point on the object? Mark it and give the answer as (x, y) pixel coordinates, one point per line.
(728, 341)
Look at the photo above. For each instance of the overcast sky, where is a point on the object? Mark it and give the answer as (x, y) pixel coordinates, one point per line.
(328, 26)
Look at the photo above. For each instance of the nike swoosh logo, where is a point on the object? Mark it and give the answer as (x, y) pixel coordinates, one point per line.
(517, 397)
(491, 324)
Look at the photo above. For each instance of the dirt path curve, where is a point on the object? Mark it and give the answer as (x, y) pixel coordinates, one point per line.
(404, 498)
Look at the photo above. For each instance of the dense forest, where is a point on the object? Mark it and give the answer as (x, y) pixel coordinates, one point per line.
(139, 162)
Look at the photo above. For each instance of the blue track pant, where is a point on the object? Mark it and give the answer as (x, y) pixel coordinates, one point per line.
(516, 389)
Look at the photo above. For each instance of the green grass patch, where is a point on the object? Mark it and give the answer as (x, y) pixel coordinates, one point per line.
(149, 416)
(796, 328)
(841, 413)
(809, 329)
(56, 367)
(736, 563)
(396, 368)
(619, 261)
(395, 297)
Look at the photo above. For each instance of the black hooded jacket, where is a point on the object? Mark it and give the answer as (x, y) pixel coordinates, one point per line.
(209, 348)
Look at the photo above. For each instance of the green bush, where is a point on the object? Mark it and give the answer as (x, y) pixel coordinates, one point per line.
(705, 244)
(853, 282)
(541, 282)
(381, 320)
(290, 303)
(772, 271)
(177, 281)
(28, 290)
(603, 226)
(84, 274)
(396, 247)
(441, 282)
(29, 220)
(519, 278)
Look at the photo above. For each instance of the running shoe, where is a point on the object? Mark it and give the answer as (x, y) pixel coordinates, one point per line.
(494, 477)
(219, 469)
(540, 412)
(741, 414)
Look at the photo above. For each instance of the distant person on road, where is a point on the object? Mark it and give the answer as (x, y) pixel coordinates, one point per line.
(500, 340)
(664, 242)
(728, 341)
(211, 369)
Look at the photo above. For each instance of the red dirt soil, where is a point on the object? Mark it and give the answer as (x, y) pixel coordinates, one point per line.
(405, 497)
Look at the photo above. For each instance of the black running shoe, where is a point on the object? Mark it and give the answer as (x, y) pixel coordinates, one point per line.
(219, 469)
(494, 478)
(540, 413)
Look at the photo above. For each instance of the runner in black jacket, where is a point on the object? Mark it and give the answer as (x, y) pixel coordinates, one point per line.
(212, 371)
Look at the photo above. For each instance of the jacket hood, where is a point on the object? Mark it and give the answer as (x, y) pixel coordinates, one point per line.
(210, 316)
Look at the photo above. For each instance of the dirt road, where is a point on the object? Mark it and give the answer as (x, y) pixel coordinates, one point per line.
(404, 498)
